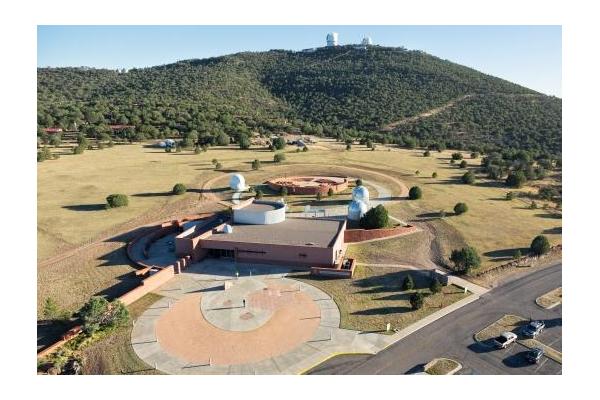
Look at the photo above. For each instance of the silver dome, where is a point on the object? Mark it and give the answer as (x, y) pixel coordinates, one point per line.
(360, 193)
(237, 183)
(356, 209)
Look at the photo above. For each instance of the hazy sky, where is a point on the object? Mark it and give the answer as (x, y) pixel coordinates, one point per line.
(528, 55)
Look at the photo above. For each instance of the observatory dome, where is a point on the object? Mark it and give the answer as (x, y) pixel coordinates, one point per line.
(227, 229)
(356, 209)
(237, 183)
(360, 193)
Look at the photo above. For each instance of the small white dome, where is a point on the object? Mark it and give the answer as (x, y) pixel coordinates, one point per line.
(356, 209)
(237, 183)
(360, 193)
(228, 228)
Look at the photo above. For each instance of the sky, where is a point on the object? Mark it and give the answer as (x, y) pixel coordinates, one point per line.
(528, 55)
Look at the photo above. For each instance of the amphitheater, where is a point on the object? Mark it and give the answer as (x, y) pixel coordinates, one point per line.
(309, 185)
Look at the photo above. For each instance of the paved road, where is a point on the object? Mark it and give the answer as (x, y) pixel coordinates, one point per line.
(452, 335)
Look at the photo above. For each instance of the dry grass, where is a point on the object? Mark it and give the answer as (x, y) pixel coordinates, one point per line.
(442, 366)
(411, 249)
(550, 299)
(113, 354)
(375, 297)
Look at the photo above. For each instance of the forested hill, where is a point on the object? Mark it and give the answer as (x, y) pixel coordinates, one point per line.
(343, 91)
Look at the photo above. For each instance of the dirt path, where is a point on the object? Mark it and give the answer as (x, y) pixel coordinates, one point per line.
(426, 114)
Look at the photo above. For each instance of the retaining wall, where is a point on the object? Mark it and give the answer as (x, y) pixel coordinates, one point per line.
(149, 284)
(362, 235)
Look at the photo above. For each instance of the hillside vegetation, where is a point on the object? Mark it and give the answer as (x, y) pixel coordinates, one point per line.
(342, 92)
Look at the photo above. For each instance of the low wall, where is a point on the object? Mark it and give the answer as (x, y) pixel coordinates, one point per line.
(307, 190)
(363, 235)
(149, 284)
(337, 271)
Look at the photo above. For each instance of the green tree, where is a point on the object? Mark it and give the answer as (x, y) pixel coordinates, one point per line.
(179, 188)
(93, 314)
(463, 164)
(375, 218)
(259, 193)
(465, 259)
(434, 175)
(517, 254)
(283, 191)
(348, 147)
(256, 164)
(223, 139)
(408, 283)
(51, 310)
(330, 192)
(516, 179)
(417, 300)
(117, 200)
(510, 196)
(359, 182)
(415, 193)
(539, 245)
(468, 178)
(435, 285)
(278, 143)
(304, 149)
(244, 141)
(460, 208)
(457, 156)
(427, 153)
(218, 166)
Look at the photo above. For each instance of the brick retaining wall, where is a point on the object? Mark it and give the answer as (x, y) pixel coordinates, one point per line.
(362, 235)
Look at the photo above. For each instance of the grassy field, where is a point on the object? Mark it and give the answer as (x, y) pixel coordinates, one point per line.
(113, 354)
(375, 297)
(72, 192)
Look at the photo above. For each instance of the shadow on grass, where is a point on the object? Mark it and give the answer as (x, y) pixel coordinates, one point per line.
(549, 215)
(86, 207)
(383, 311)
(506, 254)
(553, 231)
(153, 194)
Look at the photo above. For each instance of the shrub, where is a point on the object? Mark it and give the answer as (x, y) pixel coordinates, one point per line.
(348, 147)
(110, 143)
(516, 179)
(540, 245)
(179, 188)
(359, 182)
(434, 175)
(319, 196)
(510, 196)
(465, 259)
(533, 205)
(218, 165)
(259, 193)
(79, 149)
(279, 157)
(415, 193)
(435, 285)
(256, 164)
(468, 178)
(330, 192)
(305, 149)
(117, 200)
(408, 283)
(244, 141)
(283, 191)
(517, 254)
(427, 153)
(278, 143)
(375, 218)
(460, 208)
(475, 154)
(416, 301)
(223, 139)
(463, 164)
(98, 313)
(453, 161)
(44, 154)
(417, 172)
(457, 156)
(197, 150)
(214, 161)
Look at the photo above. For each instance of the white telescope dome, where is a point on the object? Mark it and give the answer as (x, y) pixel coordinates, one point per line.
(356, 209)
(360, 193)
(237, 183)
(228, 228)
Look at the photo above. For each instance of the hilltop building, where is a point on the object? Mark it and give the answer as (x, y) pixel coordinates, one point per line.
(332, 39)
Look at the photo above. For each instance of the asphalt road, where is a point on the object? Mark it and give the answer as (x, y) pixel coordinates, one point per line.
(452, 335)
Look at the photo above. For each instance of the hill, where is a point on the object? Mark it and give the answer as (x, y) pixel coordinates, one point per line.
(343, 92)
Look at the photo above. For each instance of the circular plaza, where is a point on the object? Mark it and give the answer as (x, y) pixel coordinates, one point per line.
(309, 185)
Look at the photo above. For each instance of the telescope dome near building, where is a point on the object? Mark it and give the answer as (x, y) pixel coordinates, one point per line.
(356, 210)
(367, 41)
(332, 39)
(237, 183)
(360, 193)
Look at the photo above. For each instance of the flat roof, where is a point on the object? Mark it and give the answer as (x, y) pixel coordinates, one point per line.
(309, 232)
(259, 207)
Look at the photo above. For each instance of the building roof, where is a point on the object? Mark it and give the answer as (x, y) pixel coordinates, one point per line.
(259, 207)
(309, 232)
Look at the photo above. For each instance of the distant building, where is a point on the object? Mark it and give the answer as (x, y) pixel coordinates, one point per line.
(332, 39)
(366, 41)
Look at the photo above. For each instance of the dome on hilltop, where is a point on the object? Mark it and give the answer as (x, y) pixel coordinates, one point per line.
(237, 182)
(356, 209)
(360, 193)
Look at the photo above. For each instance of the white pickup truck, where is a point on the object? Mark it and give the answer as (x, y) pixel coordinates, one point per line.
(504, 340)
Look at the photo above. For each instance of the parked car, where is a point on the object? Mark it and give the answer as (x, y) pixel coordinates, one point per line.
(533, 329)
(504, 340)
(534, 355)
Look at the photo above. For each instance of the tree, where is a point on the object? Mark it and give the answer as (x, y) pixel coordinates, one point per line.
(256, 164)
(278, 143)
(460, 208)
(218, 166)
(465, 259)
(330, 192)
(468, 178)
(79, 149)
(475, 154)
(510, 196)
(51, 310)
(463, 164)
(415, 193)
(435, 285)
(304, 149)
(223, 139)
(214, 161)
(434, 175)
(319, 196)
(408, 283)
(417, 172)
(244, 141)
(375, 218)
(93, 314)
(283, 191)
(539, 245)
(259, 193)
(457, 156)
(359, 182)
(117, 200)
(279, 157)
(517, 254)
(44, 154)
(427, 153)
(348, 147)
(179, 188)
(417, 300)
(516, 179)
